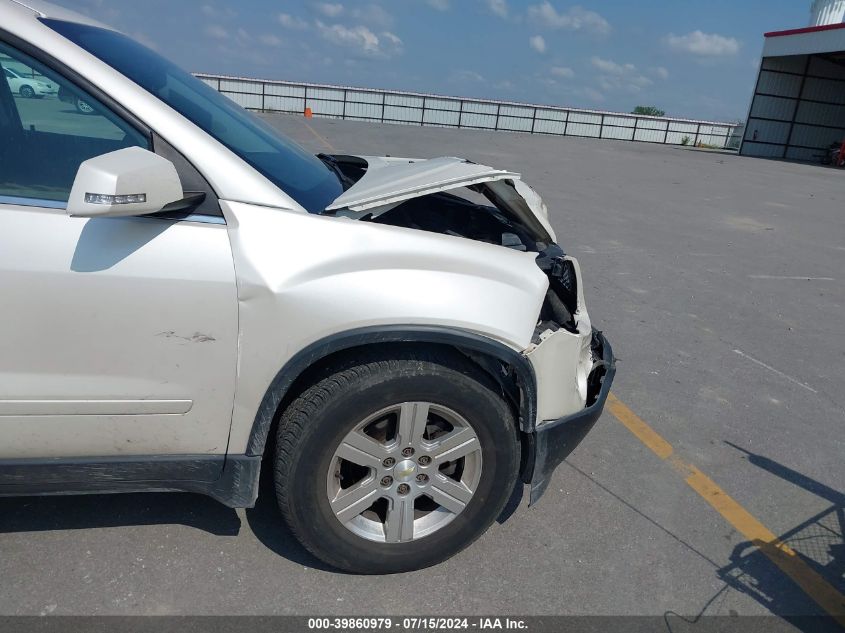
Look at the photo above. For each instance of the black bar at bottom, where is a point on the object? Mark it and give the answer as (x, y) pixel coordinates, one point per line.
(401, 624)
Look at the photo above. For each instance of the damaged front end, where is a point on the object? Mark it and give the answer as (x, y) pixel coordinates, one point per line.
(573, 363)
(574, 367)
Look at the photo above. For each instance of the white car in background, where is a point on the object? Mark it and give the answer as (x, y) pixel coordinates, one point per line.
(29, 87)
(188, 296)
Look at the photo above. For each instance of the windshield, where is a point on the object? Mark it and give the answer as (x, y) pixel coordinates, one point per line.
(301, 175)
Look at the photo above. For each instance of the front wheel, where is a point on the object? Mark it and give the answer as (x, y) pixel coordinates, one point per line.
(27, 92)
(394, 464)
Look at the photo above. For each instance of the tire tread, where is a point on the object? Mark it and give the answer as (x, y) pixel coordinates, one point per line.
(296, 418)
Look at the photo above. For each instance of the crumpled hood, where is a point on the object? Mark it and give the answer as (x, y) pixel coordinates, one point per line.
(390, 181)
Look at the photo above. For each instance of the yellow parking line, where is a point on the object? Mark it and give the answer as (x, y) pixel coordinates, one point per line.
(787, 560)
(322, 139)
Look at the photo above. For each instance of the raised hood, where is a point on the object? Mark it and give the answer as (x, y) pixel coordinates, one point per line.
(391, 181)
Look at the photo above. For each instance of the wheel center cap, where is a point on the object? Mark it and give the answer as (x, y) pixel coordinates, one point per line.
(405, 470)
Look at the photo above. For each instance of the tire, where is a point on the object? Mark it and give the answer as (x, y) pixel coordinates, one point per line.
(27, 92)
(318, 425)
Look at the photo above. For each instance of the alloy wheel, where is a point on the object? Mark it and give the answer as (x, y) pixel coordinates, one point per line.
(404, 472)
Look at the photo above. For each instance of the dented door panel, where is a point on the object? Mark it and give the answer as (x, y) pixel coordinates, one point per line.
(118, 337)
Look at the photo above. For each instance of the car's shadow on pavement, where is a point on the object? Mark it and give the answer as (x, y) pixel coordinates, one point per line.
(43, 514)
(84, 512)
(267, 525)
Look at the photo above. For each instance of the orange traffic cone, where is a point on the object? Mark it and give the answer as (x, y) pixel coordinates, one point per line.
(308, 113)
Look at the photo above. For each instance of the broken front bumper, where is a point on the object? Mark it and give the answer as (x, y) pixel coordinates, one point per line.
(554, 440)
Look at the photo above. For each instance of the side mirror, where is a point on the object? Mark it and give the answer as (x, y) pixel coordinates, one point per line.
(130, 181)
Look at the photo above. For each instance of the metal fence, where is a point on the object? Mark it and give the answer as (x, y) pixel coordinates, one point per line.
(411, 108)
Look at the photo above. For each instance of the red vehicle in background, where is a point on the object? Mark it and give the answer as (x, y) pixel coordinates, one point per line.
(835, 155)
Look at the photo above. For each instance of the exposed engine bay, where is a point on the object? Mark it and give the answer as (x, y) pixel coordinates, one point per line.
(453, 196)
(461, 213)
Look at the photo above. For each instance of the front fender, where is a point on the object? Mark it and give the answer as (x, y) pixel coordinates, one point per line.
(319, 350)
(305, 278)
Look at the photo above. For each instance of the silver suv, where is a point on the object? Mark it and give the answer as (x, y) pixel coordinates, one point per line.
(189, 296)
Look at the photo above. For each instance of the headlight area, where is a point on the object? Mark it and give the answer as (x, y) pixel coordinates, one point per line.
(574, 367)
(561, 350)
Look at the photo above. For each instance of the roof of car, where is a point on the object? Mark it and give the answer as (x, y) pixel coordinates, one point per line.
(42, 9)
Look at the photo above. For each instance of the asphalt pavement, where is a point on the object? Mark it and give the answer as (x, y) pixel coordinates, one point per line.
(720, 281)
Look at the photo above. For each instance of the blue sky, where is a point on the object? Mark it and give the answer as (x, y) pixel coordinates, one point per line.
(692, 58)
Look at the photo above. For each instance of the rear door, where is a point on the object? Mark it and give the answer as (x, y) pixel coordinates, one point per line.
(118, 336)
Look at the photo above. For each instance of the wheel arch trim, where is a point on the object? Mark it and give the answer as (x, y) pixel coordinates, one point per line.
(370, 336)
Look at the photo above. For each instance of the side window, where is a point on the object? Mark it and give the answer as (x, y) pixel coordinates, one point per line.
(49, 126)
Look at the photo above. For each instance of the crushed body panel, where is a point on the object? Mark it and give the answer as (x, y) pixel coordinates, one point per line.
(388, 182)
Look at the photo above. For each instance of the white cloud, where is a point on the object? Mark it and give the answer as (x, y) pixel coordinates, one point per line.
(98, 10)
(562, 72)
(392, 38)
(610, 67)
(209, 10)
(216, 32)
(466, 76)
(538, 43)
(616, 76)
(270, 40)
(361, 39)
(633, 84)
(498, 7)
(440, 5)
(291, 22)
(575, 19)
(660, 72)
(145, 40)
(592, 93)
(373, 15)
(704, 44)
(329, 9)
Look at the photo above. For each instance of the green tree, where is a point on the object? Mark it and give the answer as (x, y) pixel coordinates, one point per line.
(648, 111)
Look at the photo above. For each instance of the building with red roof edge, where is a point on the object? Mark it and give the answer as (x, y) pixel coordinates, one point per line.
(798, 108)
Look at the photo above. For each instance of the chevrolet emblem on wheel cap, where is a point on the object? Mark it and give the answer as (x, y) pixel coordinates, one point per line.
(405, 470)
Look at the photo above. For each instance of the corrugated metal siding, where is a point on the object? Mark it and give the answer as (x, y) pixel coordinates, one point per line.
(768, 131)
(407, 108)
(821, 114)
(749, 148)
(816, 137)
(773, 108)
(397, 113)
(515, 124)
(779, 84)
(794, 64)
(807, 114)
(442, 117)
(545, 126)
(821, 67)
(582, 129)
(619, 133)
(798, 153)
(284, 91)
(650, 136)
(292, 104)
(827, 90)
(360, 96)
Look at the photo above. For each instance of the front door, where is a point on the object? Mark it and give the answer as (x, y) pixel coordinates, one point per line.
(118, 336)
